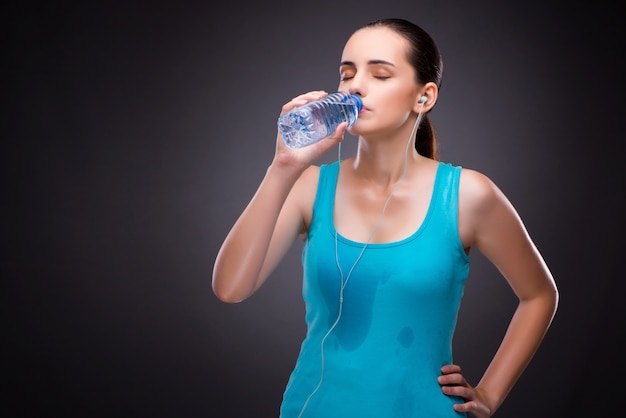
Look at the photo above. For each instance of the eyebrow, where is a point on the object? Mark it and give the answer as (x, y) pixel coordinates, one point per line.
(370, 62)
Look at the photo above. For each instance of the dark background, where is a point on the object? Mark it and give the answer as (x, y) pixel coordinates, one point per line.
(136, 132)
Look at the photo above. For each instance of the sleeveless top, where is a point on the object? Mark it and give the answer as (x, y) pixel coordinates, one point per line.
(383, 356)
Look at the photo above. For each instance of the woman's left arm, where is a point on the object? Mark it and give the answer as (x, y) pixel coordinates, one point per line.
(489, 222)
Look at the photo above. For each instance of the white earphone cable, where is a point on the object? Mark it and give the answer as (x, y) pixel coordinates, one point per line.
(371, 236)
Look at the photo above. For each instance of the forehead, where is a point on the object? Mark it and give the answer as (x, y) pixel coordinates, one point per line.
(378, 43)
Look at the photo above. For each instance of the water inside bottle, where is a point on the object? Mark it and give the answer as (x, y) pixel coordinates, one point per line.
(307, 125)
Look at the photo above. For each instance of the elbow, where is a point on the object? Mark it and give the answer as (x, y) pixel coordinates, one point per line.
(550, 300)
(554, 294)
(227, 297)
(226, 293)
(233, 283)
(556, 297)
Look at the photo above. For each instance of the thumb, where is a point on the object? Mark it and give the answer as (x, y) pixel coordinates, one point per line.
(322, 146)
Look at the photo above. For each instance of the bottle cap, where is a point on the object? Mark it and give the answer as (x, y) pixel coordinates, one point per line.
(357, 100)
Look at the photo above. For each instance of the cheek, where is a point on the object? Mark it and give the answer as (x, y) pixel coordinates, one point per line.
(398, 99)
(396, 110)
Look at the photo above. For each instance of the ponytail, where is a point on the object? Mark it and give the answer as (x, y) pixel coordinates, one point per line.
(426, 142)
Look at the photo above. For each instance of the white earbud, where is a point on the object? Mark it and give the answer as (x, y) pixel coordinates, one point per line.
(423, 99)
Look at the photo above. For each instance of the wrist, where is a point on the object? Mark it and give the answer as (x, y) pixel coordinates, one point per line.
(286, 172)
(285, 169)
(489, 400)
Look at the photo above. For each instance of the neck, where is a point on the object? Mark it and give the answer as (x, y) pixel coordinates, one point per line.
(381, 165)
(384, 161)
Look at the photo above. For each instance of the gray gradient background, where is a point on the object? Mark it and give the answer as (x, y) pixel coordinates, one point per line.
(137, 132)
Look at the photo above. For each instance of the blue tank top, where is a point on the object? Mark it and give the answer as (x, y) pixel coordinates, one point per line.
(399, 313)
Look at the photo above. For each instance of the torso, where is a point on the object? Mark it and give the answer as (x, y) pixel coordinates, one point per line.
(360, 204)
(361, 211)
(396, 318)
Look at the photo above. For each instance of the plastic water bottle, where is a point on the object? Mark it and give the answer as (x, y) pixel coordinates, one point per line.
(317, 120)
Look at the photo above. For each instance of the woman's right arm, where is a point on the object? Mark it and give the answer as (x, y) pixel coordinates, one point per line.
(244, 260)
(274, 217)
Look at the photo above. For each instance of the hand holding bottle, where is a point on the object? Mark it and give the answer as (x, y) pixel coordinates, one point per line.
(306, 155)
(305, 125)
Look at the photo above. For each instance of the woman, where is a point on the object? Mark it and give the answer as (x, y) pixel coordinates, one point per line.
(387, 235)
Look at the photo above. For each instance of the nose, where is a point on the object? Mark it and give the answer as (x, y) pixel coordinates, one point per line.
(357, 85)
(356, 89)
(355, 92)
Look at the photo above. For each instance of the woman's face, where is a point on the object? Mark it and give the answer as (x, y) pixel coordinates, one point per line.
(374, 66)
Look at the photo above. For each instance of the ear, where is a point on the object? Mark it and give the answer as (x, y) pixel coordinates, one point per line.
(430, 91)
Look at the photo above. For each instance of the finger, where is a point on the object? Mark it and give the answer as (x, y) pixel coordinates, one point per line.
(311, 95)
(460, 391)
(451, 368)
(340, 131)
(465, 407)
(303, 99)
(332, 140)
(452, 379)
(475, 408)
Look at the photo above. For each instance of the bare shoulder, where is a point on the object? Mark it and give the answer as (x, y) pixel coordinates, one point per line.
(310, 173)
(482, 205)
(307, 180)
(477, 191)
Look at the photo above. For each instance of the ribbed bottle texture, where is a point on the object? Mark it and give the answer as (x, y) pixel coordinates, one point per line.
(314, 121)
